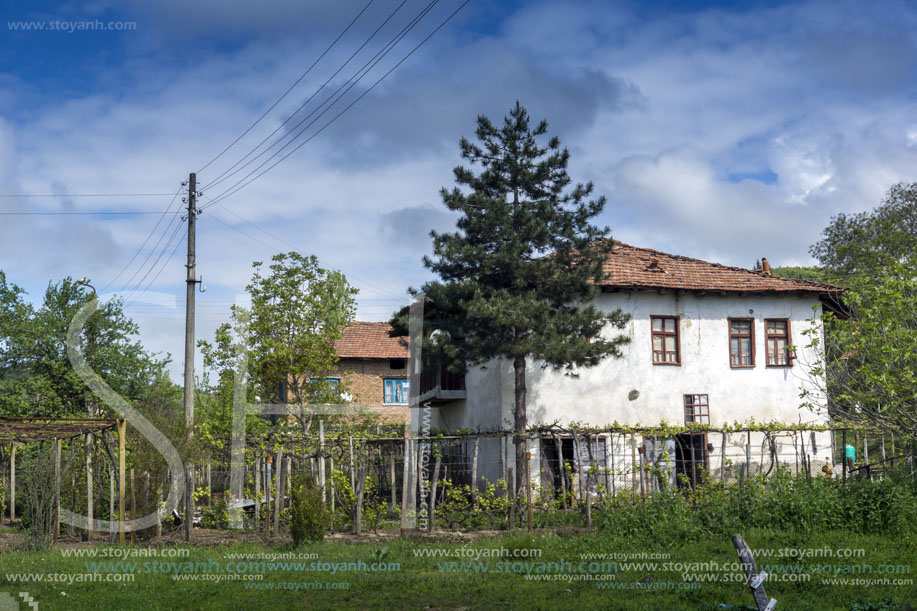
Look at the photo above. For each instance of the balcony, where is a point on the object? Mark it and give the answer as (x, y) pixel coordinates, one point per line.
(438, 385)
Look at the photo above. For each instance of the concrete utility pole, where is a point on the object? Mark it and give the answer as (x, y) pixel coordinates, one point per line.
(191, 281)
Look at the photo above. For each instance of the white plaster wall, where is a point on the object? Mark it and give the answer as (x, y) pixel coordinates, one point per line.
(599, 395)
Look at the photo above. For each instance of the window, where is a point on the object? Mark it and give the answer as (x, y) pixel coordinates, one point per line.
(397, 363)
(326, 394)
(665, 340)
(332, 382)
(741, 342)
(777, 341)
(697, 409)
(396, 391)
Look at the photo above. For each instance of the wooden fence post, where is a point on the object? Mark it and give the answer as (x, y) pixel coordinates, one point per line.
(723, 457)
(257, 488)
(133, 505)
(57, 451)
(267, 495)
(432, 507)
(89, 505)
(392, 476)
(122, 466)
(12, 482)
(321, 459)
(608, 457)
(278, 491)
(404, 484)
(528, 484)
(111, 505)
(474, 469)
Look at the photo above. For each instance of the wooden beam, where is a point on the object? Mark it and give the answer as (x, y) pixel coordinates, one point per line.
(122, 433)
(57, 451)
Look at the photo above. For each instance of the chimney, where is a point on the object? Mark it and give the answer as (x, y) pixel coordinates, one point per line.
(766, 267)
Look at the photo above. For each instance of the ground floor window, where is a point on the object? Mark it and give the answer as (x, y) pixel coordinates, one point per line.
(697, 409)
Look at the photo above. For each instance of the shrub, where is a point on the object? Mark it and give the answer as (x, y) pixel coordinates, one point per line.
(784, 501)
(215, 515)
(309, 519)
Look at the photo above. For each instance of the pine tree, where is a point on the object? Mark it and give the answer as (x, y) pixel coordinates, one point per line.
(518, 278)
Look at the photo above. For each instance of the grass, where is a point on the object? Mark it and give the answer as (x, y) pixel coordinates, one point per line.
(423, 582)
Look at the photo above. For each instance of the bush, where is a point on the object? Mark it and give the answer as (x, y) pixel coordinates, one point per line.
(309, 519)
(794, 503)
(215, 515)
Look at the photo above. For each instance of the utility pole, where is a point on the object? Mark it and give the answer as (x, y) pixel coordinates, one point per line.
(191, 281)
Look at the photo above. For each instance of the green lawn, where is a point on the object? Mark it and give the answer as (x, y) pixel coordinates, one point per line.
(423, 582)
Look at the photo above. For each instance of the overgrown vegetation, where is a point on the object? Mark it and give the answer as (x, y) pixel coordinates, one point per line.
(309, 518)
(785, 502)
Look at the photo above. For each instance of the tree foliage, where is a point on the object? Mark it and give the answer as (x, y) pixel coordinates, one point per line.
(298, 310)
(857, 245)
(518, 277)
(869, 371)
(36, 377)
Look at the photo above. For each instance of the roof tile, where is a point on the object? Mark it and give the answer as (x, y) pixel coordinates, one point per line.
(370, 340)
(630, 267)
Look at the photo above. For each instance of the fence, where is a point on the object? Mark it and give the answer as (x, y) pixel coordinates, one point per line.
(415, 479)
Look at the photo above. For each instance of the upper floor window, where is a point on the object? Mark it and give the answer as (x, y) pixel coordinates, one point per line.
(697, 409)
(395, 391)
(666, 349)
(777, 342)
(741, 342)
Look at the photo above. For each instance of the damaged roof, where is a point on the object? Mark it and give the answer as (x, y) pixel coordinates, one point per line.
(630, 267)
(370, 340)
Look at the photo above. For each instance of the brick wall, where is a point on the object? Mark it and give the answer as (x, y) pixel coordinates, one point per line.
(365, 383)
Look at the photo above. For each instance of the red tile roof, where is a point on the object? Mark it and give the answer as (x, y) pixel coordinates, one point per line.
(629, 267)
(370, 340)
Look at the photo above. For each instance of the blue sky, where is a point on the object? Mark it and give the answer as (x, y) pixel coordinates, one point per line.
(725, 131)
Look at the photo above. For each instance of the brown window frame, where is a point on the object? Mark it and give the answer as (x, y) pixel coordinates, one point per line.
(788, 337)
(740, 336)
(663, 333)
(697, 402)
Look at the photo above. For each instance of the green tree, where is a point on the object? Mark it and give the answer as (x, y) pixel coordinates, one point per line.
(519, 276)
(869, 368)
(859, 245)
(298, 310)
(36, 377)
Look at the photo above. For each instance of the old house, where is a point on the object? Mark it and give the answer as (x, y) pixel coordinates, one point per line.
(373, 368)
(710, 344)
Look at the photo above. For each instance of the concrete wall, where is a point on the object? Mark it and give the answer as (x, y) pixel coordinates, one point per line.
(601, 395)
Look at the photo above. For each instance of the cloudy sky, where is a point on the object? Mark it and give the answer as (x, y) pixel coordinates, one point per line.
(725, 131)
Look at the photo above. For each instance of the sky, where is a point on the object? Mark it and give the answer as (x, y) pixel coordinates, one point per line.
(725, 131)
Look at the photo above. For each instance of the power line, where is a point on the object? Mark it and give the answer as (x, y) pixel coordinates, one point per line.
(94, 213)
(239, 185)
(346, 86)
(229, 171)
(379, 289)
(295, 83)
(85, 194)
(152, 231)
(156, 276)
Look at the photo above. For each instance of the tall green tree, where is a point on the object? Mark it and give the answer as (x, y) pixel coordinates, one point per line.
(856, 246)
(36, 377)
(298, 310)
(518, 277)
(868, 370)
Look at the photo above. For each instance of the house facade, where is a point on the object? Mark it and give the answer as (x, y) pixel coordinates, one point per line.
(709, 344)
(373, 368)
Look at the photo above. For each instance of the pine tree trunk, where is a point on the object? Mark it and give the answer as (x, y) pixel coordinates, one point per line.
(519, 418)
